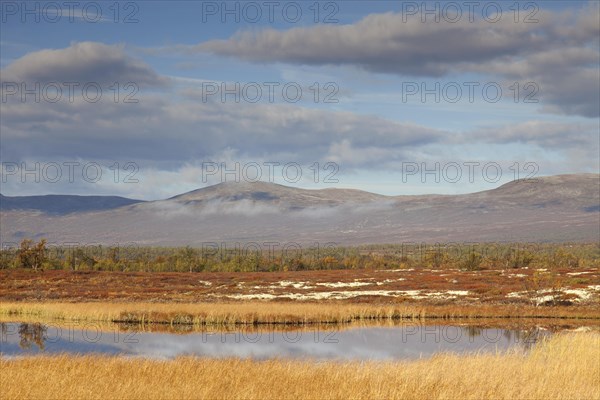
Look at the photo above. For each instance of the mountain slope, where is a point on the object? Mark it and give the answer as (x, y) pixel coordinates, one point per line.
(63, 204)
(274, 195)
(558, 208)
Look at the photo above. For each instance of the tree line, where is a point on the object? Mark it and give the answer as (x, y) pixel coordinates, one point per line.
(39, 256)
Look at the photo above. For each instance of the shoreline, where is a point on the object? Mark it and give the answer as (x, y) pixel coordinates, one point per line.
(287, 313)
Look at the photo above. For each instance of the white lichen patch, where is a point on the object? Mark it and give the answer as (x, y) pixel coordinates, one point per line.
(547, 295)
(390, 281)
(458, 292)
(579, 273)
(581, 293)
(544, 299)
(295, 285)
(342, 295)
(343, 284)
(205, 283)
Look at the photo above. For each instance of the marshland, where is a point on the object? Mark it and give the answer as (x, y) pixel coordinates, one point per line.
(364, 321)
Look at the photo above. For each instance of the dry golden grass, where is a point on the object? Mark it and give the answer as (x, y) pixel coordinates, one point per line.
(208, 313)
(253, 313)
(565, 367)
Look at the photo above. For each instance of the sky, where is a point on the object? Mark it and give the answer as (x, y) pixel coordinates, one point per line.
(151, 99)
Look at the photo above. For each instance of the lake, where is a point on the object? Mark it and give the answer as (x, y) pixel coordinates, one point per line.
(407, 341)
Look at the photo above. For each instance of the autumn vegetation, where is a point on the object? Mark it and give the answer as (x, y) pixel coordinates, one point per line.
(253, 258)
(190, 289)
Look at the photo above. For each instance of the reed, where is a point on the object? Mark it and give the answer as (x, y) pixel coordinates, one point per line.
(275, 313)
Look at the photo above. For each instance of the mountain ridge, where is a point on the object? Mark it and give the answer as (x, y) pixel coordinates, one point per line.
(558, 208)
(262, 190)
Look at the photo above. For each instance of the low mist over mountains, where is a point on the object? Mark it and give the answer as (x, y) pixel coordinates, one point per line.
(557, 208)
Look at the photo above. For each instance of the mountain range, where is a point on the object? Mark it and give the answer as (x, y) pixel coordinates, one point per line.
(549, 209)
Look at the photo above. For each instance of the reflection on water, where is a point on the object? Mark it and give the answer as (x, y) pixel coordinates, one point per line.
(29, 334)
(405, 341)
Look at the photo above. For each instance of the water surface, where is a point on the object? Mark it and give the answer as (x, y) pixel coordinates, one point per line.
(360, 343)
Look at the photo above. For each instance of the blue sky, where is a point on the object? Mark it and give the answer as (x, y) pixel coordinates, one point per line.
(367, 62)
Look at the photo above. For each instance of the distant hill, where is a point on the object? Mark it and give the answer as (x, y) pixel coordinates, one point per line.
(555, 208)
(275, 195)
(63, 204)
